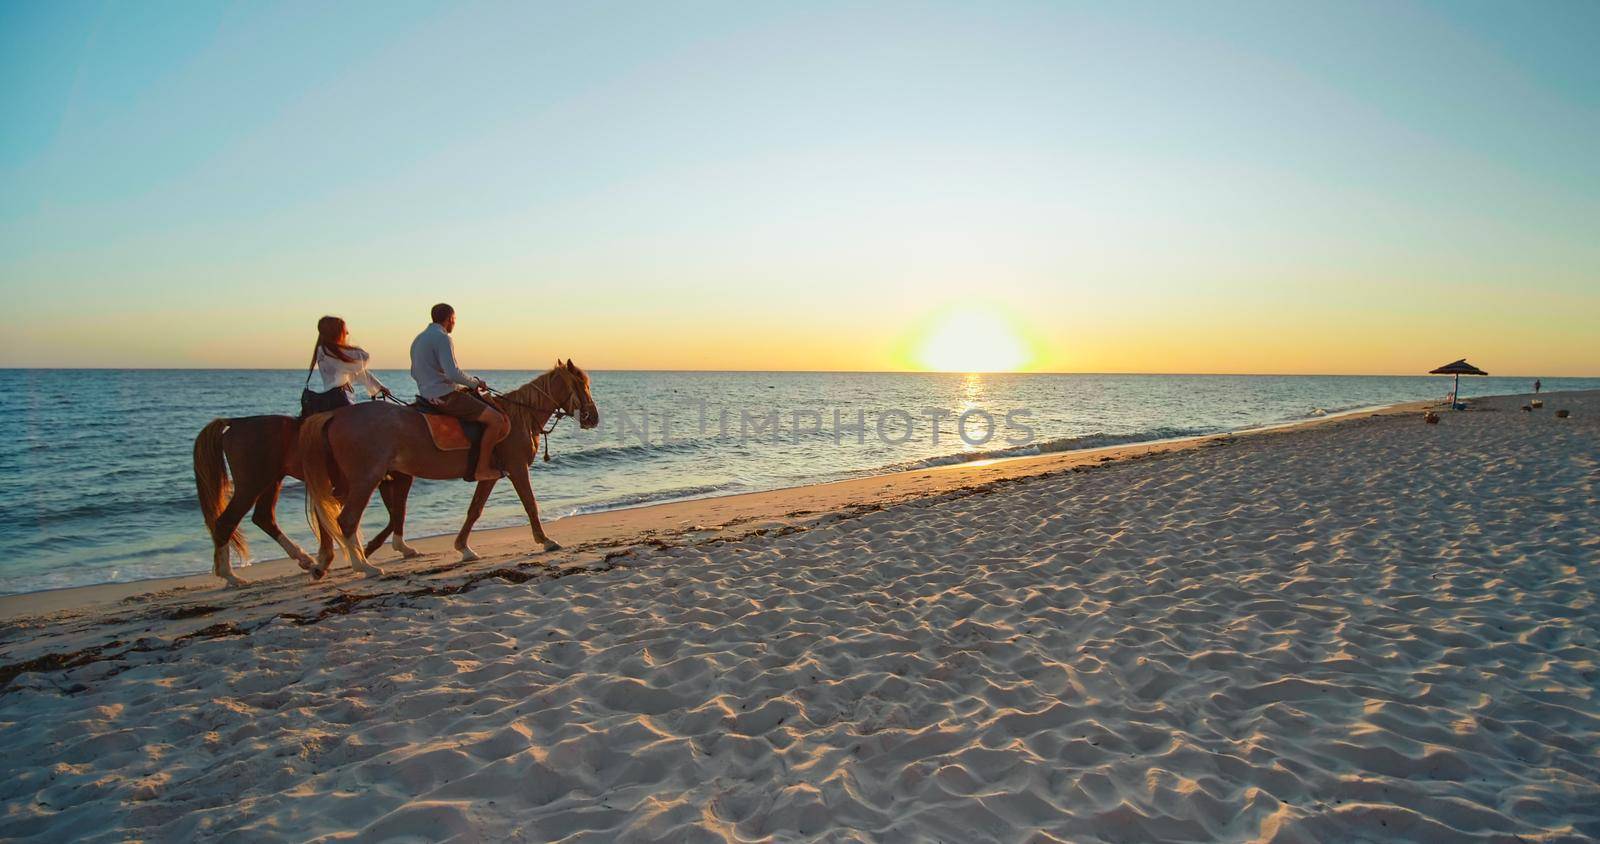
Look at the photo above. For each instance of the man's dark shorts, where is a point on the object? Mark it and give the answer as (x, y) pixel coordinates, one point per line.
(461, 404)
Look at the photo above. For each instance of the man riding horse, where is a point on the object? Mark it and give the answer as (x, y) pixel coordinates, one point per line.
(446, 389)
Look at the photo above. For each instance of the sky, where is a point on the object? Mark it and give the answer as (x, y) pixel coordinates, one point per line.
(1190, 187)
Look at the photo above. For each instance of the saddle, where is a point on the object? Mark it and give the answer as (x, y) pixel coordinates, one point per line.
(452, 434)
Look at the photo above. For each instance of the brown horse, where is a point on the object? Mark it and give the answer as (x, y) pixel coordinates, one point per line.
(347, 453)
(261, 450)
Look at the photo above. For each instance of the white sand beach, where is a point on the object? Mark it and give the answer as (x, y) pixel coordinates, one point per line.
(1361, 630)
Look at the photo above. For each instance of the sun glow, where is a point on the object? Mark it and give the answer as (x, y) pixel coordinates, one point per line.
(972, 340)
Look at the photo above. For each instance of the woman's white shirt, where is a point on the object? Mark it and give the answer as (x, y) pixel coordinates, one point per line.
(347, 373)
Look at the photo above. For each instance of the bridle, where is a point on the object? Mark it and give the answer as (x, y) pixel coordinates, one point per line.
(559, 413)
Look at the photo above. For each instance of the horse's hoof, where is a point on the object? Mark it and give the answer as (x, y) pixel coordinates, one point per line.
(305, 563)
(468, 555)
(317, 572)
(372, 571)
(236, 583)
(552, 545)
(407, 552)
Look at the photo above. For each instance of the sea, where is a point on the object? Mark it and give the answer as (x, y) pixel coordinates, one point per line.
(96, 481)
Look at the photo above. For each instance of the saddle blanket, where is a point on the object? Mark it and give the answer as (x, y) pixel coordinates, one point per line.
(452, 434)
(447, 432)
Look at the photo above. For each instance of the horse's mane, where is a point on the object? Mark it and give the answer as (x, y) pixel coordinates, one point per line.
(538, 393)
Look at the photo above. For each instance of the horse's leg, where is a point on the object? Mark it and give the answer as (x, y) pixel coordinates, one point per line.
(479, 497)
(524, 487)
(251, 478)
(355, 503)
(327, 544)
(399, 542)
(228, 521)
(386, 492)
(266, 518)
(395, 491)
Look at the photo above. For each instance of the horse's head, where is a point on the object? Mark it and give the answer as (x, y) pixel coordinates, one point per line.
(579, 402)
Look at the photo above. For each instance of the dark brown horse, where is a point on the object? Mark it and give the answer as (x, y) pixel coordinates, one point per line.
(262, 451)
(346, 454)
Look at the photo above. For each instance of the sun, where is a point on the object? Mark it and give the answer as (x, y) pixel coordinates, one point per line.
(972, 340)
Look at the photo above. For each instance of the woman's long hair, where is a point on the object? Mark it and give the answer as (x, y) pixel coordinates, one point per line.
(330, 330)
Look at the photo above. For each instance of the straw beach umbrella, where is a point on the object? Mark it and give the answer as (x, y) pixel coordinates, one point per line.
(1458, 369)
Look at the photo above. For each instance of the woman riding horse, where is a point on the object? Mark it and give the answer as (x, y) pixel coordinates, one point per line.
(345, 455)
(261, 450)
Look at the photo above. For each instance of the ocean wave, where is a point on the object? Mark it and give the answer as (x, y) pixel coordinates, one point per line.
(640, 499)
(786, 436)
(79, 574)
(1334, 410)
(98, 504)
(1080, 443)
(623, 453)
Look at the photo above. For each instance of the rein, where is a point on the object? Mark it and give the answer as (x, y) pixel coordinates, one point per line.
(556, 415)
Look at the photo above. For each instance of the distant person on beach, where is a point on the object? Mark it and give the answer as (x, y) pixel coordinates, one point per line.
(442, 384)
(1537, 386)
(342, 367)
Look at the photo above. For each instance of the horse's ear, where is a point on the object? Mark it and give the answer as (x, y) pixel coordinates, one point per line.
(570, 367)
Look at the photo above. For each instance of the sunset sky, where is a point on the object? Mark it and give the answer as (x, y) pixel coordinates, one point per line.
(1193, 187)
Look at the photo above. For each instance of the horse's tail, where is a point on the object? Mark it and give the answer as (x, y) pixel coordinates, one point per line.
(314, 457)
(211, 481)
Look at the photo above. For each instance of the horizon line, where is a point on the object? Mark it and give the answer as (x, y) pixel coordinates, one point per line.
(792, 371)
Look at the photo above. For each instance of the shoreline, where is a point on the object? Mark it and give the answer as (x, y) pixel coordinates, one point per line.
(887, 470)
(652, 517)
(64, 537)
(259, 540)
